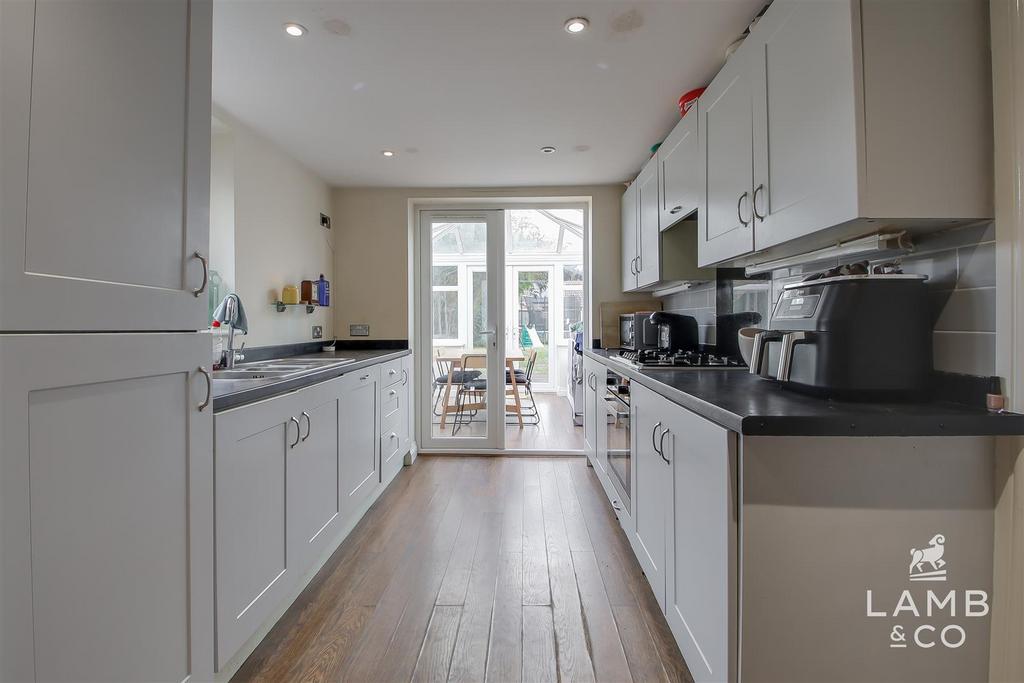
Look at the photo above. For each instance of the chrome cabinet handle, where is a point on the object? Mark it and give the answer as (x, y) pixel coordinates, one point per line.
(309, 425)
(392, 372)
(364, 378)
(661, 447)
(654, 436)
(209, 389)
(639, 263)
(392, 392)
(676, 209)
(206, 273)
(298, 431)
(753, 203)
(405, 377)
(739, 212)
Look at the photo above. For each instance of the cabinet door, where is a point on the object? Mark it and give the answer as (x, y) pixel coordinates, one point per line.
(104, 192)
(358, 421)
(254, 571)
(701, 562)
(106, 519)
(394, 412)
(726, 149)
(681, 171)
(314, 504)
(649, 236)
(650, 489)
(805, 124)
(590, 412)
(630, 224)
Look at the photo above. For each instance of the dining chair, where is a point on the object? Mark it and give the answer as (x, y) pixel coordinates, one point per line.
(524, 378)
(473, 390)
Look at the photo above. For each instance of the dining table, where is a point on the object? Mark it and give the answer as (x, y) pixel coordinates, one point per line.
(454, 362)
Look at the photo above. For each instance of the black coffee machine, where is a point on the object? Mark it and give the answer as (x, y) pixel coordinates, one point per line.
(857, 337)
(675, 332)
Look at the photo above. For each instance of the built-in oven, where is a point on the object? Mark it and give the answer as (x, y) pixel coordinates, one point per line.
(617, 443)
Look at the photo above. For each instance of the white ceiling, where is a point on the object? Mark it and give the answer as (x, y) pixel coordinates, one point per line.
(467, 92)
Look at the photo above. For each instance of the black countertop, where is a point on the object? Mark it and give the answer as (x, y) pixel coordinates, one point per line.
(751, 405)
(232, 393)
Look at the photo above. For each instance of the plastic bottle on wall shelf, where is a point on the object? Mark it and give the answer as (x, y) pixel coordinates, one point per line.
(323, 291)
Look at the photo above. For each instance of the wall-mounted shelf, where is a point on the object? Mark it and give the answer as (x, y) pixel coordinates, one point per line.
(282, 306)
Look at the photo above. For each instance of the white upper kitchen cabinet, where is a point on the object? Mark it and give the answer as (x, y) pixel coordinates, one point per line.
(104, 187)
(630, 225)
(846, 108)
(106, 508)
(725, 136)
(681, 170)
(648, 263)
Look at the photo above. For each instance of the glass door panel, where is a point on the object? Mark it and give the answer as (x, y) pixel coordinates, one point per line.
(530, 319)
(461, 252)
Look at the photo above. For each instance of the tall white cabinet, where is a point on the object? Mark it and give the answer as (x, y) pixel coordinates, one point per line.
(106, 482)
(104, 186)
(106, 470)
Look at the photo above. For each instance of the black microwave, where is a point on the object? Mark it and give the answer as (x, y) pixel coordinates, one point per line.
(636, 332)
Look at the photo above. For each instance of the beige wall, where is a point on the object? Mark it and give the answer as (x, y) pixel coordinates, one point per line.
(371, 265)
(278, 239)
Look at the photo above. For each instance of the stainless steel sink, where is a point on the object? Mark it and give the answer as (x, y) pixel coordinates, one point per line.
(278, 369)
(251, 374)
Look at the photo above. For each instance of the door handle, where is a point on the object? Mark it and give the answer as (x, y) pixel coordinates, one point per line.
(206, 273)
(298, 431)
(661, 447)
(654, 436)
(753, 203)
(209, 389)
(309, 425)
(739, 211)
(493, 335)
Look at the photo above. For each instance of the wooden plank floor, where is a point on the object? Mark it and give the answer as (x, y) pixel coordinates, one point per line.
(478, 569)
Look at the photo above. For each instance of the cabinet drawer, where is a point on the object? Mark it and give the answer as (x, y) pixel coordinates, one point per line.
(391, 372)
(391, 400)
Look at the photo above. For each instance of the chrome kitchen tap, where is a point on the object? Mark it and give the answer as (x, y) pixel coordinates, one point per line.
(231, 313)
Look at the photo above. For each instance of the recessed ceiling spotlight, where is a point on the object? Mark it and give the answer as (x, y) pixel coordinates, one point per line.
(294, 30)
(577, 25)
(548, 149)
(387, 152)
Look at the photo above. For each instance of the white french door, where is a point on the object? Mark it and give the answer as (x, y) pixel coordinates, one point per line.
(460, 336)
(529, 318)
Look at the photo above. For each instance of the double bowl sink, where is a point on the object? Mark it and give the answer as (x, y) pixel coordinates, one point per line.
(278, 369)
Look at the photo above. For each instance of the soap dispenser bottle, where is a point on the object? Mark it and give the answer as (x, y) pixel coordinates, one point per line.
(324, 291)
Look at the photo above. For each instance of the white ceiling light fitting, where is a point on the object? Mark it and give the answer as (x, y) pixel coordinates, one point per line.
(387, 153)
(577, 25)
(294, 30)
(548, 149)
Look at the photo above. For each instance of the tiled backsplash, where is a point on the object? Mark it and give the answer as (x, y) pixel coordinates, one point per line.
(960, 265)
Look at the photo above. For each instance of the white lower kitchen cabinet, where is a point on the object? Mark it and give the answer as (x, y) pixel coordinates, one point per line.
(394, 417)
(106, 518)
(359, 471)
(294, 474)
(254, 445)
(700, 566)
(590, 411)
(652, 499)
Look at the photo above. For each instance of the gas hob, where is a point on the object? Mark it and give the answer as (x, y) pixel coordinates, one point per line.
(677, 360)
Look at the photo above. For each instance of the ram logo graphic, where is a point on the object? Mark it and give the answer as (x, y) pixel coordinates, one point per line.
(929, 557)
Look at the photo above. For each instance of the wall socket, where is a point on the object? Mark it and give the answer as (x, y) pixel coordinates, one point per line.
(359, 330)
(318, 332)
